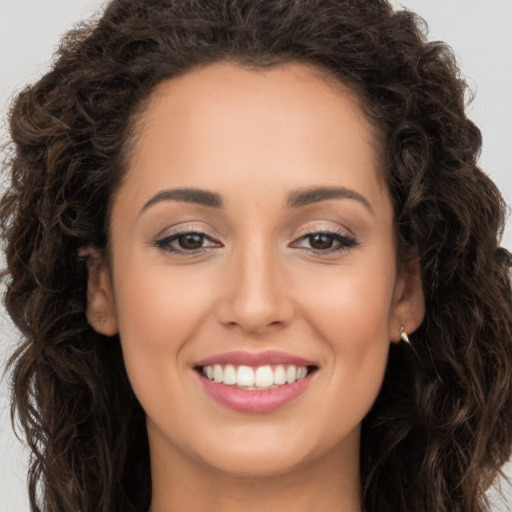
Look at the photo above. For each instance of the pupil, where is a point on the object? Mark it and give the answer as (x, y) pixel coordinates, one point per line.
(191, 241)
(321, 241)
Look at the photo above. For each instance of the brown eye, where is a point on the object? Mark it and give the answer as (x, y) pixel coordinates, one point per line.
(187, 243)
(321, 241)
(325, 242)
(191, 241)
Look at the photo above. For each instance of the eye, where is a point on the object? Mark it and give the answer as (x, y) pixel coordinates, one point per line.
(321, 241)
(186, 242)
(325, 242)
(190, 241)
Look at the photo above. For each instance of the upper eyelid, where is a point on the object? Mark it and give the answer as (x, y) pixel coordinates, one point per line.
(209, 233)
(333, 230)
(178, 234)
(205, 229)
(185, 228)
(334, 234)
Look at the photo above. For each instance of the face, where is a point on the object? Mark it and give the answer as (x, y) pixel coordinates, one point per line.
(251, 237)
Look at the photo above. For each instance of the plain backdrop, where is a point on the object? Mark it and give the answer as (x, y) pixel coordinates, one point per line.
(478, 31)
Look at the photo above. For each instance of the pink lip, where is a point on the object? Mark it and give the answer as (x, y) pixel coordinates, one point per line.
(269, 357)
(254, 401)
(243, 400)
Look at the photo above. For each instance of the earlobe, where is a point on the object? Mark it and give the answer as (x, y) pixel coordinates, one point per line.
(101, 312)
(408, 303)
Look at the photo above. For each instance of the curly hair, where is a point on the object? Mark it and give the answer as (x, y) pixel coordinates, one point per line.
(441, 427)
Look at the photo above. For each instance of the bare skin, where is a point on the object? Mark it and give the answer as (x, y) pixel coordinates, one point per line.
(288, 246)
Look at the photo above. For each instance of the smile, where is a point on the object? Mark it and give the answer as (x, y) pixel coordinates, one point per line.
(259, 378)
(255, 383)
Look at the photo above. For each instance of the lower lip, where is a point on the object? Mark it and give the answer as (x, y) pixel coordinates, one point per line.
(266, 400)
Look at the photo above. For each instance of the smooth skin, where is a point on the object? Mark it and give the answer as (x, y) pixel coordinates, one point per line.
(245, 266)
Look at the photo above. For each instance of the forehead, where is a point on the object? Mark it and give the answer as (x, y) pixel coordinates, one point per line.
(224, 124)
(215, 90)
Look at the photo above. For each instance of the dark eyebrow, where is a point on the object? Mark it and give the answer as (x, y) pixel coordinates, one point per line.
(315, 195)
(187, 195)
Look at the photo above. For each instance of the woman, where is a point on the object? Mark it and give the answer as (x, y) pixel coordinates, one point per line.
(255, 265)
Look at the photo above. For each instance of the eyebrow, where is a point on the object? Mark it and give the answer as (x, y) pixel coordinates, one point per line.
(187, 195)
(308, 196)
(296, 199)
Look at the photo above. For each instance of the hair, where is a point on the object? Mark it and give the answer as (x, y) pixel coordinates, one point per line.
(441, 427)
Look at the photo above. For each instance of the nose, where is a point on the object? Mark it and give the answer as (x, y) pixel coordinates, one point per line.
(255, 294)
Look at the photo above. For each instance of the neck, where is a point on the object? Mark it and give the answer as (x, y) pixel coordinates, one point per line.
(328, 484)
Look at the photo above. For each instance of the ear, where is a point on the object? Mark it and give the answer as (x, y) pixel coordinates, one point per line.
(408, 307)
(101, 311)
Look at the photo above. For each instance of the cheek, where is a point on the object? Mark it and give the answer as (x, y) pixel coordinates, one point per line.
(350, 314)
(157, 308)
(351, 306)
(158, 312)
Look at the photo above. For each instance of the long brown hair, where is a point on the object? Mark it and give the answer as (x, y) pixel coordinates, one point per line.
(442, 425)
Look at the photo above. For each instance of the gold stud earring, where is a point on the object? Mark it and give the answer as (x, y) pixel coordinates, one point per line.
(403, 335)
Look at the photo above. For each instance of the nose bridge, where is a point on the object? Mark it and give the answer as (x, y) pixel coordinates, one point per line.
(256, 295)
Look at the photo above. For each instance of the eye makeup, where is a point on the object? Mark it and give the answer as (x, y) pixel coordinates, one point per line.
(191, 241)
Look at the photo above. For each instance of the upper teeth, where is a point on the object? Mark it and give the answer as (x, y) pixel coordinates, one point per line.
(261, 377)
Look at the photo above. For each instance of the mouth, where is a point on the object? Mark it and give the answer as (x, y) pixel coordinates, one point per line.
(255, 383)
(258, 378)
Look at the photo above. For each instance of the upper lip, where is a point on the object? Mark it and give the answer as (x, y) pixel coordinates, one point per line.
(269, 357)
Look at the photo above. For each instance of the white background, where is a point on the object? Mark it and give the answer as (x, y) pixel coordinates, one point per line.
(479, 31)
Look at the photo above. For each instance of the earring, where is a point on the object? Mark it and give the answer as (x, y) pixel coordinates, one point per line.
(403, 335)
(102, 321)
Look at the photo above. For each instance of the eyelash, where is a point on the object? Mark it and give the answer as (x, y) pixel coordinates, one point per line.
(165, 243)
(345, 242)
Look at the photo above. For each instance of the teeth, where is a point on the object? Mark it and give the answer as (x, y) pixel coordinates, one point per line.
(217, 373)
(291, 374)
(229, 375)
(245, 376)
(279, 375)
(262, 377)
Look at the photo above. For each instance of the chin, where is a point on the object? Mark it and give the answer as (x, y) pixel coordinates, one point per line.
(272, 451)
(257, 463)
